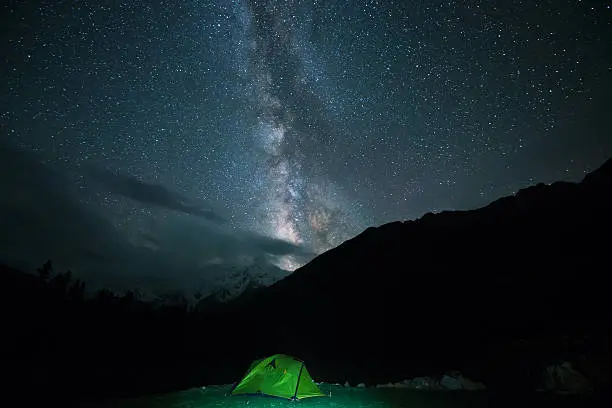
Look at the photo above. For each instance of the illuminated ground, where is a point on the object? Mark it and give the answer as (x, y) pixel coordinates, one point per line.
(340, 397)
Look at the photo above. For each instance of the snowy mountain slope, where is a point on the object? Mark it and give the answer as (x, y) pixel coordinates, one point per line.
(236, 281)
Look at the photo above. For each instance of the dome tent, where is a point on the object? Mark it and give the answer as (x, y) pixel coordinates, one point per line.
(278, 376)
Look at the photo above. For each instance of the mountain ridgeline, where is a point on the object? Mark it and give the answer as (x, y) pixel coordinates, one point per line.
(493, 290)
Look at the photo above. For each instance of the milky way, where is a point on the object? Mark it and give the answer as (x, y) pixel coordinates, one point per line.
(213, 133)
(295, 204)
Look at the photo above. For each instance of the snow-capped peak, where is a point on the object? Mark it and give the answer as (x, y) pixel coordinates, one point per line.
(239, 280)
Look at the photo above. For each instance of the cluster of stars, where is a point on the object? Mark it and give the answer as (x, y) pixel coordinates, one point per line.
(310, 121)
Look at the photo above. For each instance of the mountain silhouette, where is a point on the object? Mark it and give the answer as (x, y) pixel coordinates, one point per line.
(448, 289)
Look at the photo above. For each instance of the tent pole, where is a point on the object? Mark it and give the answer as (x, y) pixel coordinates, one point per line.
(297, 385)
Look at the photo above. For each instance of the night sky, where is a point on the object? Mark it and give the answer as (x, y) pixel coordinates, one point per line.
(171, 141)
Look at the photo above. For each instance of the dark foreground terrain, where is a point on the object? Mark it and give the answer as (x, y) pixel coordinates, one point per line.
(499, 293)
(340, 397)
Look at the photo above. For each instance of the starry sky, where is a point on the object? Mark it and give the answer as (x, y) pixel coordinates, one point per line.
(169, 141)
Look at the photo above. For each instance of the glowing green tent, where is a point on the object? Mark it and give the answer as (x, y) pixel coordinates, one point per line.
(278, 376)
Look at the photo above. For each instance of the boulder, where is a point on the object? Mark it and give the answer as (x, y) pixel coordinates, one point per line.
(448, 382)
(456, 381)
(423, 383)
(564, 379)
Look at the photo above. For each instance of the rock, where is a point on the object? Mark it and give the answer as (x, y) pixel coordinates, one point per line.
(456, 381)
(423, 383)
(564, 379)
(347, 385)
(448, 382)
(361, 385)
(471, 385)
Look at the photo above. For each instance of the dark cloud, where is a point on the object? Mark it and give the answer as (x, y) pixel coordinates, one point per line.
(275, 246)
(43, 215)
(153, 194)
(188, 240)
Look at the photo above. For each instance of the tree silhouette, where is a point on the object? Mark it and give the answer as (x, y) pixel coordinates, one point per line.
(61, 282)
(104, 296)
(45, 271)
(76, 291)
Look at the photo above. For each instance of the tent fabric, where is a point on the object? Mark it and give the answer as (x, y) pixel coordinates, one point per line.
(278, 376)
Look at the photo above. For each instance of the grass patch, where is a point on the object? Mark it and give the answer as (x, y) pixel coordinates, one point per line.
(337, 397)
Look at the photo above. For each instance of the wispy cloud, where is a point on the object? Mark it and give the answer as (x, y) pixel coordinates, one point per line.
(43, 216)
(153, 194)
